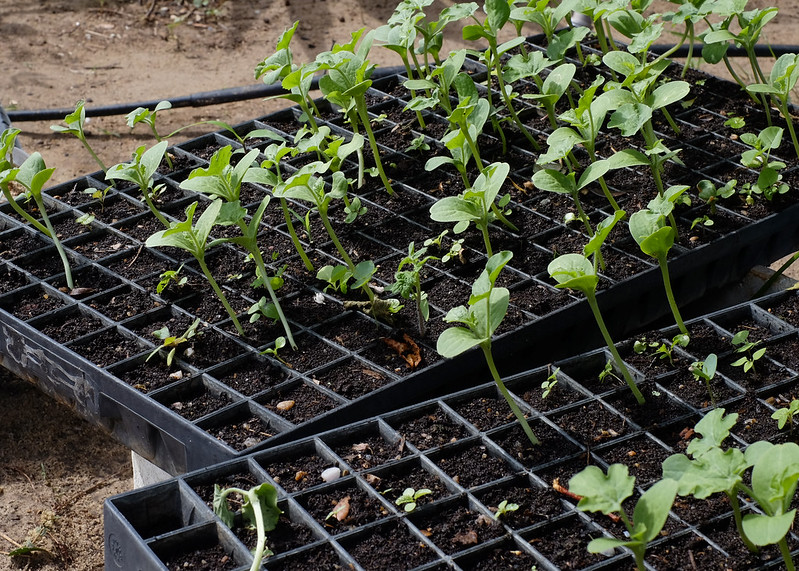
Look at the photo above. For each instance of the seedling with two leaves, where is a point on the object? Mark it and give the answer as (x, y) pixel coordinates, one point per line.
(259, 510)
(410, 498)
(173, 342)
(747, 348)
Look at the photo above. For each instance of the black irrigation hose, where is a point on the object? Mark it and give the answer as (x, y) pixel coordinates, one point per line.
(255, 91)
(196, 100)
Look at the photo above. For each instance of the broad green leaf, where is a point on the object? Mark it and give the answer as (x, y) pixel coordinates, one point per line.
(497, 12)
(456, 340)
(555, 181)
(603, 544)
(714, 428)
(774, 477)
(363, 273)
(560, 142)
(669, 93)
(630, 117)
(454, 209)
(602, 493)
(603, 229)
(573, 271)
(221, 508)
(765, 530)
(715, 471)
(653, 508)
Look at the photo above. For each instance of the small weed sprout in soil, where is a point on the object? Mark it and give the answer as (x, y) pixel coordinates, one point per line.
(549, 385)
(742, 345)
(75, 122)
(280, 342)
(785, 415)
(194, 239)
(173, 342)
(30, 177)
(705, 371)
(259, 510)
(662, 350)
(505, 507)
(170, 277)
(488, 306)
(408, 283)
(606, 493)
(410, 497)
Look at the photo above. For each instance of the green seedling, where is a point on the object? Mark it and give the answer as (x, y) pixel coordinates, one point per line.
(75, 126)
(280, 342)
(408, 283)
(437, 85)
(346, 83)
(774, 476)
(749, 25)
(410, 497)
(85, 219)
(263, 309)
(712, 194)
(475, 205)
(505, 508)
(259, 510)
(173, 342)
(785, 414)
(497, 14)
(224, 181)
(549, 385)
(194, 239)
(781, 81)
(140, 171)
(769, 180)
(742, 345)
(550, 19)
(170, 277)
(433, 32)
(30, 176)
(575, 271)
(98, 194)
(705, 371)
(487, 307)
(607, 371)
(655, 238)
(295, 79)
(662, 350)
(606, 493)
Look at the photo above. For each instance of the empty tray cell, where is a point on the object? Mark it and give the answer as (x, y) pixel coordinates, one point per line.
(535, 503)
(343, 506)
(473, 463)
(428, 427)
(122, 303)
(31, 302)
(68, 324)
(202, 547)
(298, 402)
(298, 467)
(18, 242)
(147, 376)
(243, 426)
(194, 398)
(367, 445)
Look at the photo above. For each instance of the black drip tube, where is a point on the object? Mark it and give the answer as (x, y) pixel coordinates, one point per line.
(255, 91)
(196, 100)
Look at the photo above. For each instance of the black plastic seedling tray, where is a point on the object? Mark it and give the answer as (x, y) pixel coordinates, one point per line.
(468, 450)
(189, 415)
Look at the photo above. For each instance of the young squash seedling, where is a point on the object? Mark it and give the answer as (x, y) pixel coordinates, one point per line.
(75, 126)
(781, 81)
(575, 271)
(170, 277)
(259, 510)
(655, 238)
(140, 171)
(486, 310)
(785, 414)
(475, 205)
(662, 350)
(30, 176)
(606, 493)
(224, 181)
(410, 498)
(549, 385)
(194, 239)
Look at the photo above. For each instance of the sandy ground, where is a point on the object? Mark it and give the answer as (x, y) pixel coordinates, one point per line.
(55, 469)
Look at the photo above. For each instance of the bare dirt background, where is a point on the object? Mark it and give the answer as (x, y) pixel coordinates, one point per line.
(56, 469)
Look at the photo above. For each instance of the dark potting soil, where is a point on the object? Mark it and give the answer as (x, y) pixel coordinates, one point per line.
(456, 528)
(114, 209)
(107, 348)
(10, 279)
(535, 504)
(123, 304)
(242, 434)
(102, 246)
(151, 375)
(785, 351)
(343, 509)
(199, 405)
(13, 244)
(565, 543)
(486, 412)
(31, 303)
(431, 430)
(406, 552)
(695, 392)
(215, 558)
(67, 328)
(643, 456)
(242, 480)
(659, 409)
(298, 403)
(370, 451)
(591, 424)
(352, 379)
(294, 474)
(320, 557)
(515, 442)
(472, 466)
(786, 309)
(391, 483)
(506, 556)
